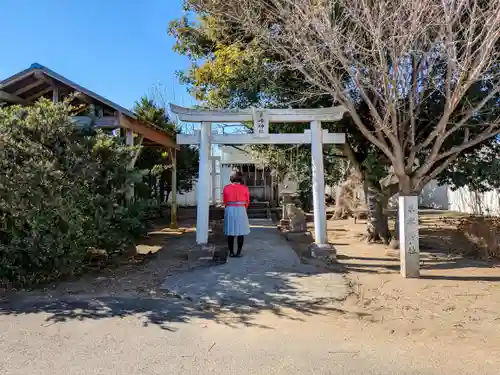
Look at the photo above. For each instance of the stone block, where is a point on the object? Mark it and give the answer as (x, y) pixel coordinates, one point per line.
(300, 237)
(201, 252)
(323, 252)
(221, 255)
(393, 253)
(284, 222)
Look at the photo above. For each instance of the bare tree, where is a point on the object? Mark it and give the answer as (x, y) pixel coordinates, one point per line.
(428, 71)
(397, 56)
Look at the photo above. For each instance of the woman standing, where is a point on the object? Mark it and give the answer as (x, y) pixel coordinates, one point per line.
(236, 200)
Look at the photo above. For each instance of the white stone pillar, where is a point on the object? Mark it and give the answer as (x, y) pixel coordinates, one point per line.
(203, 188)
(222, 170)
(409, 236)
(318, 183)
(214, 182)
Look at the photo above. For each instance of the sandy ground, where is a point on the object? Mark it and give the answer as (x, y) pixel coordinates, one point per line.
(455, 298)
(287, 344)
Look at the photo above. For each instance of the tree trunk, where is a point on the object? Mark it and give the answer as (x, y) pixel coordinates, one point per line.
(338, 204)
(377, 221)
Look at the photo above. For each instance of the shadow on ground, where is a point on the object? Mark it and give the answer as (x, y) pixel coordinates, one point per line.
(269, 278)
(168, 311)
(428, 263)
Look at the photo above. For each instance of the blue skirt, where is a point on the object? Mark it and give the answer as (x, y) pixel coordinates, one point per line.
(236, 221)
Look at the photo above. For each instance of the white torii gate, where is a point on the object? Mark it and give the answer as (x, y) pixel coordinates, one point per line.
(261, 119)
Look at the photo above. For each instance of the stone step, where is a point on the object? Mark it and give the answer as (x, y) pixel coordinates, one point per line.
(257, 212)
(259, 204)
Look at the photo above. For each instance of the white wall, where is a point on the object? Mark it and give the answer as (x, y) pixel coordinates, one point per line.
(434, 196)
(464, 200)
(231, 155)
(189, 198)
(186, 199)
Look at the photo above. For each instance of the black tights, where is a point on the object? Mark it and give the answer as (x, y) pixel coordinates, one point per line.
(230, 242)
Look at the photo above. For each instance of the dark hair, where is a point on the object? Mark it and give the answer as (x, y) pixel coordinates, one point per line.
(236, 177)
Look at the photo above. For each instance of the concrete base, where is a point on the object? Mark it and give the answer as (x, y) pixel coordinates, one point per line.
(324, 252)
(217, 227)
(201, 252)
(301, 237)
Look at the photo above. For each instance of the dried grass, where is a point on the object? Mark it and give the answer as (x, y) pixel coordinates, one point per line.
(483, 233)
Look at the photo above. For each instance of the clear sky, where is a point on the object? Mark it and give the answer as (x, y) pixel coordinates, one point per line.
(119, 49)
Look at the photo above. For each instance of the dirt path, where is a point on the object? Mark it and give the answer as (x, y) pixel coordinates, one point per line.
(290, 343)
(455, 298)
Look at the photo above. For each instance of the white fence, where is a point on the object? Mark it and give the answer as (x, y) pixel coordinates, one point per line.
(464, 200)
(441, 197)
(189, 198)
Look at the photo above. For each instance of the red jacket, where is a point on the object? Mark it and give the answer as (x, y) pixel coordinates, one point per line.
(236, 193)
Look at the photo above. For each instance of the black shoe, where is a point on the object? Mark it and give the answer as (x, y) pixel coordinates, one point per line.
(238, 254)
(231, 254)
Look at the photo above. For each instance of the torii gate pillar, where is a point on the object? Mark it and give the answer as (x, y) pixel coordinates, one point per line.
(203, 189)
(318, 184)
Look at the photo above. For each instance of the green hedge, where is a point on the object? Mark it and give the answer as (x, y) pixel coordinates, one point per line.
(62, 192)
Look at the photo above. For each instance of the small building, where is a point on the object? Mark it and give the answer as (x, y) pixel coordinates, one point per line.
(38, 81)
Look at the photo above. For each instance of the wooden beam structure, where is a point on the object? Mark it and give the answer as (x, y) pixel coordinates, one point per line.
(38, 81)
(29, 87)
(55, 94)
(173, 207)
(45, 78)
(12, 98)
(38, 95)
(147, 131)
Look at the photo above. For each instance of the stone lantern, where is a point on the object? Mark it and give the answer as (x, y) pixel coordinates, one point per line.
(286, 198)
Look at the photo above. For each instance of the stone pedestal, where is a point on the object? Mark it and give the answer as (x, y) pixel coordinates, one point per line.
(324, 252)
(201, 253)
(409, 237)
